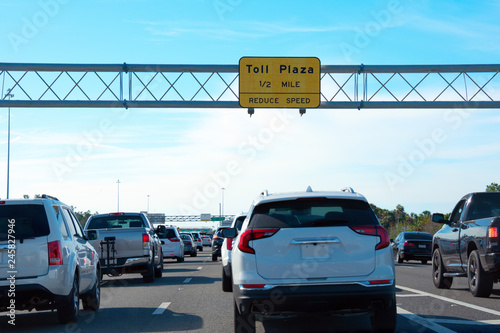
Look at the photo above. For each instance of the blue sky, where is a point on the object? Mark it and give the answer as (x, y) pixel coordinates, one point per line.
(182, 157)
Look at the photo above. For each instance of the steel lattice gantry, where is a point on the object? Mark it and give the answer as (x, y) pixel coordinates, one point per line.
(216, 86)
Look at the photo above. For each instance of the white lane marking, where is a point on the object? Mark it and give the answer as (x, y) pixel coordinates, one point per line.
(163, 306)
(446, 299)
(411, 295)
(424, 322)
(466, 322)
(187, 280)
(199, 268)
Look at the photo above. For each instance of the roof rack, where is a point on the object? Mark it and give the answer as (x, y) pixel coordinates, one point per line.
(45, 196)
(264, 193)
(348, 189)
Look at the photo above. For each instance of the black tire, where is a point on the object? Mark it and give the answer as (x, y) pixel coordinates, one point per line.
(438, 270)
(159, 269)
(200, 248)
(214, 257)
(149, 277)
(424, 262)
(385, 320)
(227, 283)
(92, 300)
(180, 259)
(194, 254)
(399, 259)
(243, 323)
(68, 311)
(480, 282)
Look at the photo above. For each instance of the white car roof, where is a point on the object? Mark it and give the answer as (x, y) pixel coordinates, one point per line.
(308, 194)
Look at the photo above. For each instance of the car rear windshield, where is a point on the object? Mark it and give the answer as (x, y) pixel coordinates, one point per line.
(112, 221)
(166, 233)
(418, 235)
(27, 221)
(312, 212)
(484, 205)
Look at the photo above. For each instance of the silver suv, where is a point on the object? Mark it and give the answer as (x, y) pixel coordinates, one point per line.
(312, 252)
(46, 262)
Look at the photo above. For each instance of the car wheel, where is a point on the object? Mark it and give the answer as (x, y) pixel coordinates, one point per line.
(92, 300)
(150, 275)
(159, 269)
(180, 259)
(424, 262)
(200, 248)
(227, 283)
(194, 254)
(385, 320)
(438, 270)
(214, 257)
(400, 260)
(68, 312)
(480, 282)
(244, 323)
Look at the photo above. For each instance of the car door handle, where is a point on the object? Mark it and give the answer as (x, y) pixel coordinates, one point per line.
(455, 230)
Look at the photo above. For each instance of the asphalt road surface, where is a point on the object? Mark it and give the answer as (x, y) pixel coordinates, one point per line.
(189, 298)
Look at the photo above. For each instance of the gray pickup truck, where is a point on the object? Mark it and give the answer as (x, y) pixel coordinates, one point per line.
(126, 243)
(468, 244)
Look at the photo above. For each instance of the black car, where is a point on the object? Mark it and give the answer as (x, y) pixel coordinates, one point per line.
(413, 245)
(217, 241)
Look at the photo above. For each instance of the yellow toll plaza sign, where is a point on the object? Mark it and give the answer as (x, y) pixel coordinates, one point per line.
(275, 82)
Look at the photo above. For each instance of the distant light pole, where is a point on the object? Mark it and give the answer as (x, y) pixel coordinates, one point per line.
(223, 201)
(8, 142)
(118, 182)
(148, 204)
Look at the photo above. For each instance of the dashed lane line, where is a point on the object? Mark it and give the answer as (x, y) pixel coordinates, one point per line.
(187, 280)
(424, 322)
(163, 306)
(446, 299)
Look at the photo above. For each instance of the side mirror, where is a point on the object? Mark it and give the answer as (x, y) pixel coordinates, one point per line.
(439, 218)
(229, 233)
(162, 243)
(91, 234)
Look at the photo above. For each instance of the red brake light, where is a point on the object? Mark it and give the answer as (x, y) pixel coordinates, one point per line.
(229, 244)
(249, 235)
(373, 230)
(493, 232)
(408, 244)
(112, 214)
(253, 285)
(145, 239)
(175, 239)
(55, 254)
(380, 282)
(2, 202)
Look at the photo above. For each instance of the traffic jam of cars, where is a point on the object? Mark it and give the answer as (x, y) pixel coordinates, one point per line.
(291, 254)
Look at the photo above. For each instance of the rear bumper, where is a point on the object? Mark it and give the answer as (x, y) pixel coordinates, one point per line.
(126, 265)
(416, 256)
(30, 296)
(493, 262)
(338, 298)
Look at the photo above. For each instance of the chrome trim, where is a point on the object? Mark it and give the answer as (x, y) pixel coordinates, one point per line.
(303, 241)
(136, 261)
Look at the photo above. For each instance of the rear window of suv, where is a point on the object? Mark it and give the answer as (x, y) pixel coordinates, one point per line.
(312, 212)
(30, 221)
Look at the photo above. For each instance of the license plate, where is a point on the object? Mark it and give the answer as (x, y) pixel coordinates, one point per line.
(318, 251)
(422, 246)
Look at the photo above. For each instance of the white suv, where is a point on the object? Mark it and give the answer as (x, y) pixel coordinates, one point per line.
(46, 262)
(312, 252)
(227, 247)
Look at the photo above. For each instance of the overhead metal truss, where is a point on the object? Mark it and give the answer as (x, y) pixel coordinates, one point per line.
(216, 86)
(191, 218)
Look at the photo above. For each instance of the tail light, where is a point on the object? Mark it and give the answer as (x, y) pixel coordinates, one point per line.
(229, 244)
(493, 241)
(188, 243)
(145, 240)
(249, 235)
(175, 239)
(373, 230)
(406, 244)
(55, 254)
(115, 214)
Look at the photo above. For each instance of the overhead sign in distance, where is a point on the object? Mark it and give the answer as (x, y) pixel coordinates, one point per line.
(218, 218)
(279, 82)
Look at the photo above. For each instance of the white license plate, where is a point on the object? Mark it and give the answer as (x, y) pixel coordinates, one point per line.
(318, 251)
(422, 246)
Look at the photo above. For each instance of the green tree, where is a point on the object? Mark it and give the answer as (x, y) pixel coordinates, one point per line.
(493, 187)
(83, 216)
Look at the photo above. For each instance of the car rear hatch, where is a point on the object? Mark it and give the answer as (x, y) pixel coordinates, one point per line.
(24, 231)
(418, 245)
(314, 239)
